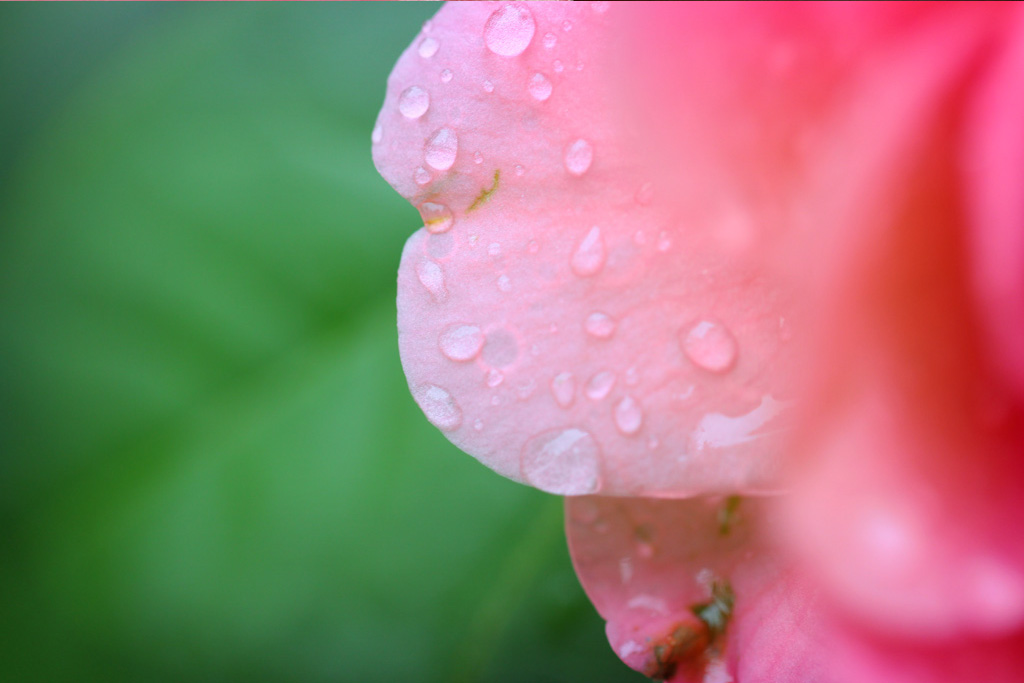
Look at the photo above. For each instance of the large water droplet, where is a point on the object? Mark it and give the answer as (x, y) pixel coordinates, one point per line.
(578, 157)
(540, 87)
(710, 346)
(439, 406)
(509, 30)
(600, 385)
(563, 388)
(600, 325)
(441, 149)
(437, 218)
(428, 48)
(629, 416)
(414, 102)
(565, 462)
(461, 342)
(446, 75)
(432, 278)
(590, 255)
(377, 135)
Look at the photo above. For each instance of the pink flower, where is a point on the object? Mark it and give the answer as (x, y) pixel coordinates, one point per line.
(746, 283)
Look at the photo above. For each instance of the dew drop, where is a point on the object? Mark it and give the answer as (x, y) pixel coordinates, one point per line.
(639, 238)
(495, 401)
(428, 48)
(441, 149)
(550, 40)
(519, 170)
(644, 194)
(414, 102)
(439, 406)
(504, 283)
(785, 330)
(421, 176)
(432, 278)
(632, 376)
(600, 325)
(600, 7)
(526, 389)
(478, 424)
(558, 66)
(533, 247)
(478, 158)
(509, 30)
(578, 157)
(589, 256)
(629, 416)
(664, 241)
(600, 385)
(563, 388)
(437, 218)
(494, 378)
(494, 249)
(461, 342)
(566, 25)
(540, 87)
(710, 346)
(653, 443)
(488, 86)
(446, 75)
(377, 135)
(562, 461)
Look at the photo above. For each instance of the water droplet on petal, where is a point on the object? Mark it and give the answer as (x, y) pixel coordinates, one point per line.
(578, 157)
(440, 245)
(629, 416)
(533, 247)
(478, 424)
(509, 30)
(494, 249)
(645, 194)
(710, 346)
(414, 102)
(632, 376)
(377, 135)
(432, 278)
(562, 461)
(488, 86)
(550, 40)
(600, 325)
(785, 330)
(519, 170)
(590, 255)
(478, 158)
(664, 241)
(441, 149)
(461, 342)
(558, 66)
(566, 25)
(428, 48)
(653, 443)
(540, 87)
(563, 388)
(439, 406)
(526, 389)
(421, 176)
(504, 283)
(494, 378)
(600, 7)
(639, 238)
(437, 218)
(446, 75)
(600, 385)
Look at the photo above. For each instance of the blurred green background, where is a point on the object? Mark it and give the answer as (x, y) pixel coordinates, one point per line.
(211, 468)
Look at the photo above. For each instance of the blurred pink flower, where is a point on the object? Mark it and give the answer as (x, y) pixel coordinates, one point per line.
(746, 283)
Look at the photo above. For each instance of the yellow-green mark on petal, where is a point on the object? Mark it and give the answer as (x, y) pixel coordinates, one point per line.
(486, 194)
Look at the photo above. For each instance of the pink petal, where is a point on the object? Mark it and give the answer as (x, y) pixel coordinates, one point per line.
(628, 348)
(645, 564)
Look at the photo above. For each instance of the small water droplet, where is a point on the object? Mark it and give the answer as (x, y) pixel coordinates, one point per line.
(533, 247)
(629, 416)
(589, 256)
(441, 149)
(526, 389)
(461, 342)
(578, 157)
(562, 461)
(785, 330)
(478, 424)
(504, 283)
(509, 30)
(494, 378)
(519, 170)
(414, 102)
(600, 7)
(488, 86)
(664, 241)
(639, 238)
(600, 325)
(540, 87)
(437, 218)
(632, 376)
(495, 401)
(427, 25)
(563, 388)
(377, 135)
(653, 443)
(557, 66)
(446, 75)
(566, 25)
(600, 385)
(550, 40)
(432, 278)
(584, 510)
(579, 66)
(478, 158)
(710, 346)
(421, 176)
(439, 406)
(494, 249)
(428, 48)
(644, 194)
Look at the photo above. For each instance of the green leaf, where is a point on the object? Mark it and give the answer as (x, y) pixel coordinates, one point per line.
(213, 469)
